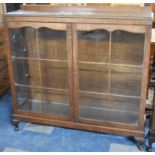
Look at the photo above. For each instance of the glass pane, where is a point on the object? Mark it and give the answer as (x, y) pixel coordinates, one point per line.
(26, 97)
(23, 42)
(109, 108)
(42, 101)
(127, 48)
(54, 74)
(93, 46)
(93, 77)
(26, 72)
(126, 80)
(52, 44)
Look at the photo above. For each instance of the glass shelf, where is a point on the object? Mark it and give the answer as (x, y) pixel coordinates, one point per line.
(104, 63)
(39, 59)
(40, 87)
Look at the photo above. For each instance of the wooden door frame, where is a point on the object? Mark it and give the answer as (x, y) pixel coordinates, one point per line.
(55, 26)
(111, 28)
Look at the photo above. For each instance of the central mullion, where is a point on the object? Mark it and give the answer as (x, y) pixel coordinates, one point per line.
(75, 73)
(109, 80)
(70, 69)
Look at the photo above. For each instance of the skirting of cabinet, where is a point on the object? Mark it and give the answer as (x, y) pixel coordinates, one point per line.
(75, 125)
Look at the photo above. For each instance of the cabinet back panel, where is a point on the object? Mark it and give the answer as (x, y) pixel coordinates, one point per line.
(52, 44)
(93, 77)
(93, 46)
(127, 48)
(54, 74)
(126, 80)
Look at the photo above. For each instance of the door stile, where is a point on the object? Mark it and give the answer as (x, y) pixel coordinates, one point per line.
(70, 70)
(75, 73)
(145, 77)
(109, 80)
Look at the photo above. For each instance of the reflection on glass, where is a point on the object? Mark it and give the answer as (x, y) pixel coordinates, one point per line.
(23, 42)
(26, 72)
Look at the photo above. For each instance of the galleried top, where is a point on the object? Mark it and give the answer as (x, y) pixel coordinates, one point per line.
(127, 13)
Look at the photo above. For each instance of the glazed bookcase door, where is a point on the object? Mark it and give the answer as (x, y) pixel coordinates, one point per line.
(41, 60)
(109, 68)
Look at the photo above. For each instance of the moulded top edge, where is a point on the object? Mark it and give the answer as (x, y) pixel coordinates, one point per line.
(82, 14)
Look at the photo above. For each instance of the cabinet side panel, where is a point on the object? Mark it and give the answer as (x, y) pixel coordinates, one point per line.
(10, 66)
(145, 76)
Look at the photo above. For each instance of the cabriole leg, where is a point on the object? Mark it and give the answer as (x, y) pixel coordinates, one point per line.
(16, 124)
(140, 143)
